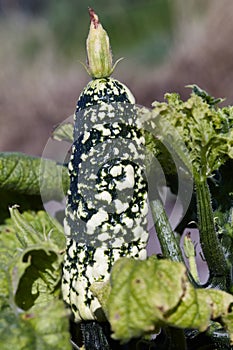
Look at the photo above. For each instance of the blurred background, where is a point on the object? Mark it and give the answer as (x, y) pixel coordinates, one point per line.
(167, 44)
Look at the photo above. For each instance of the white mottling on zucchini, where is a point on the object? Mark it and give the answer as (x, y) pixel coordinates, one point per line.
(107, 200)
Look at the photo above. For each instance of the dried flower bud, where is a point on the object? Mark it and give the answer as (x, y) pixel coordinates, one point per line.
(99, 55)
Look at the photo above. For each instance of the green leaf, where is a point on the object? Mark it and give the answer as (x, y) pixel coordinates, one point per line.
(43, 328)
(133, 307)
(32, 228)
(228, 321)
(224, 225)
(50, 325)
(36, 277)
(32, 175)
(204, 129)
(36, 270)
(14, 333)
(6, 295)
(212, 101)
(30, 272)
(26, 202)
(146, 295)
(64, 132)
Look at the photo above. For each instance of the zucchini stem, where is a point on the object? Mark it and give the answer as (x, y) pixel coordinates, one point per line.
(176, 337)
(167, 239)
(94, 336)
(211, 247)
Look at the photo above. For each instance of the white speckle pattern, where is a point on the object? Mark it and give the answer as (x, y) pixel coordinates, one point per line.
(107, 200)
(96, 220)
(104, 196)
(120, 206)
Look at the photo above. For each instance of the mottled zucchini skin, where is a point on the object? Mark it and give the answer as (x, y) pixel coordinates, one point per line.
(106, 212)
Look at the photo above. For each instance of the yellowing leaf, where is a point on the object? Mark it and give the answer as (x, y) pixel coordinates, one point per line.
(146, 295)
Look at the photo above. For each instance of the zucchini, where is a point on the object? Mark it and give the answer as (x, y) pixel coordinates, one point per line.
(106, 211)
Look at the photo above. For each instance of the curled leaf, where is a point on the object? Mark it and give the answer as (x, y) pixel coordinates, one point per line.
(36, 277)
(30, 249)
(146, 295)
(30, 280)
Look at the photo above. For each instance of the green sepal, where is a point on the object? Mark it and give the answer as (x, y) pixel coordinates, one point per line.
(99, 55)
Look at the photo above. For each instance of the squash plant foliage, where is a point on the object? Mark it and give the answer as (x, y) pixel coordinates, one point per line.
(140, 298)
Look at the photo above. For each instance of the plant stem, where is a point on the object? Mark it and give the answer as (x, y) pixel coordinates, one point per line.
(167, 239)
(94, 336)
(212, 250)
(176, 338)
